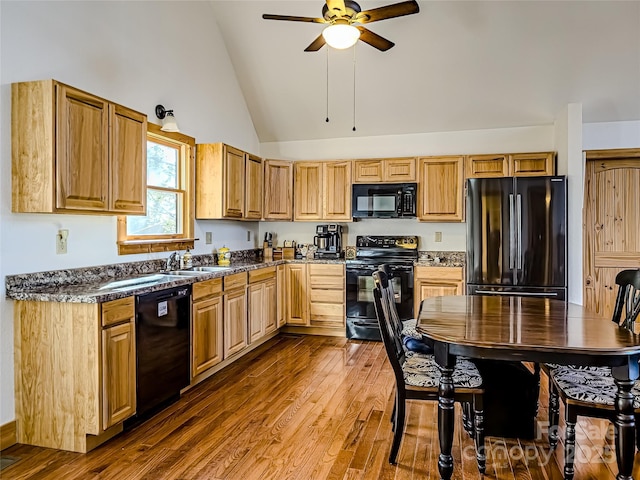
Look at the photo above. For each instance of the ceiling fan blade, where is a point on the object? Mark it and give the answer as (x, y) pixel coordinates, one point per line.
(390, 11)
(316, 45)
(290, 18)
(375, 40)
(336, 7)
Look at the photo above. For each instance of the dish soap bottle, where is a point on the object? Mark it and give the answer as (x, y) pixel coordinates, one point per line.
(187, 259)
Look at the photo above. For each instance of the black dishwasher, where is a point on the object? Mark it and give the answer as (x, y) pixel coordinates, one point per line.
(162, 349)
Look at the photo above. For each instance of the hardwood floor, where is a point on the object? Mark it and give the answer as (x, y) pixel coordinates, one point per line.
(305, 407)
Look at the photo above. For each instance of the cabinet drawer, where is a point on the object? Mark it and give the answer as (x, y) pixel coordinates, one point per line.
(320, 282)
(235, 280)
(262, 274)
(206, 288)
(328, 311)
(438, 273)
(324, 269)
(118, 311)
(327, 296)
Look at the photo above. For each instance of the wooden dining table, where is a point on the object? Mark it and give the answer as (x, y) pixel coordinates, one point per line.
(535, 330)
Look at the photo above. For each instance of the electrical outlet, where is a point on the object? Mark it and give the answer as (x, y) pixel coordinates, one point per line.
(438, 236)
(61, 241)
(208, 238)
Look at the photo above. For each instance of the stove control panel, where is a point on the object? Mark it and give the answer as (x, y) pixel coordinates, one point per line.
(387, 241)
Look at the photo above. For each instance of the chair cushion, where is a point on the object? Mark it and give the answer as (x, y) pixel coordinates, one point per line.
(423, 371)
(553, 366)
(593, 385)
(412, 340)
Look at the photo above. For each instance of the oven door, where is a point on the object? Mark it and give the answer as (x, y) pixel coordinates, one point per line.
(361, 314)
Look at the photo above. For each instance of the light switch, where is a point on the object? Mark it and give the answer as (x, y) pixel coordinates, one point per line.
(438, 236)
(208, 238)
(61, 241)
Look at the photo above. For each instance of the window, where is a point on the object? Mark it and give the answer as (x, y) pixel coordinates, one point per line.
(168, 223)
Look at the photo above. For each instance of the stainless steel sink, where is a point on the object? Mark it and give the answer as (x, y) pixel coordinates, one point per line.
(186, 273)
(143, 280)
(210, 269)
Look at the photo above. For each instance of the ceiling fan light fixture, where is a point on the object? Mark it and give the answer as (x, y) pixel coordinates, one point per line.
(341, 36)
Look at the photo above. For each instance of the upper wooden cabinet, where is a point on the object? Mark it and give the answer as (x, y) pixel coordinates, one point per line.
(511, 165)
(441, 188)
(278, 189)
(390, 170)
(228, 183)
(73, 152)
(322, 190)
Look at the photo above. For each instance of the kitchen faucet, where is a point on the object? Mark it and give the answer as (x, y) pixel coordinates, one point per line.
(173, 261)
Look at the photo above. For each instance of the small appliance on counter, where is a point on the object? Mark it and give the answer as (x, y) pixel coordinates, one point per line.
(328, 241)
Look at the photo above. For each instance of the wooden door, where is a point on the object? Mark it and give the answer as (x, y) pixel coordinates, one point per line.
(253, 187)
(399, 170)
(532, 164)
(336, 193)
(235, 322)
(281, 303)
(441, 189)
(270, 306)
(256, 310)
(278, 189)
(611, 224)
(82, 150)
(297, 302)
(207, 346)
(233, 195)
(307, 196)
(367, 171)
(118, 373)
(487, 166)
(128, 160)
(436, 282)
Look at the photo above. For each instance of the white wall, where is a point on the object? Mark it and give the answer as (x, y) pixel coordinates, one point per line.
(604, 136)
(119, 51)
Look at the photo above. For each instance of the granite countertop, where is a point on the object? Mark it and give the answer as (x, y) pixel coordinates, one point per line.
(441, 259)
(103, 284)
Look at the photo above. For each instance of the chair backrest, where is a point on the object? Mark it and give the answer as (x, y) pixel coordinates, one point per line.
(628, 299)
(388, 292)
(392, 340)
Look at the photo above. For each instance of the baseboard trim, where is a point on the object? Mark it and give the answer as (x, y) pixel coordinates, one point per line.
(8, 435)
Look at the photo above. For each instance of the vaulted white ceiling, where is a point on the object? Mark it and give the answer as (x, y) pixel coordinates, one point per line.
(456, 65)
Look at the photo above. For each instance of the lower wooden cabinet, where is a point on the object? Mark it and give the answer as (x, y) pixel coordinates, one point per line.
(326, 284)
(261, 303)
(235, 313)
(436, 282)
(281, 303)
(297, 300)
(85, 353)
(207, 326)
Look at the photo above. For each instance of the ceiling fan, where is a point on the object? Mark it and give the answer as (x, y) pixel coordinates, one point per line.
(341, 17)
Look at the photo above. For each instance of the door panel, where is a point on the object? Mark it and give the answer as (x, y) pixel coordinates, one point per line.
(611, 219)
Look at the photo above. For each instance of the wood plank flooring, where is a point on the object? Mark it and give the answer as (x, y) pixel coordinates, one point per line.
(307, 407)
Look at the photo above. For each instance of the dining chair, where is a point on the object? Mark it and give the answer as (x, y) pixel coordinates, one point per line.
(591, 392)
(417, 376)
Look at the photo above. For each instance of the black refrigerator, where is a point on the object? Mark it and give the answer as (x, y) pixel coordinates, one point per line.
(517, 236)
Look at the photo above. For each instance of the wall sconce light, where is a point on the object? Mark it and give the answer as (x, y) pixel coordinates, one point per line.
(169, 123)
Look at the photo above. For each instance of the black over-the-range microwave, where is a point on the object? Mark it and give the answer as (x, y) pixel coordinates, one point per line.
(390, 200)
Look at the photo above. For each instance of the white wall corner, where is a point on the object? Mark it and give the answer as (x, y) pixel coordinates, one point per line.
(568, 143)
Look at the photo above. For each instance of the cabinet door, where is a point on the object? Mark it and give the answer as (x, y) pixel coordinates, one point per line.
(367, 171)
(487, 166)
(233, 195)
(398, 170)
(337, 190)
(82, 160)
(270, 308)
(256, 310)
(281, 303)
(441, 189)
(207, 335)
(297, 303)
(326, 287)
(235, 322)
(435, 282)
(128, 160)
(428, 288)
(307, 197)
(253, 187)
(118, 373)
(532, 164)
(278, 185)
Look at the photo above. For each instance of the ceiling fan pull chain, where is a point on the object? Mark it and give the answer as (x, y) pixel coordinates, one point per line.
(354, 88)
(327, 119)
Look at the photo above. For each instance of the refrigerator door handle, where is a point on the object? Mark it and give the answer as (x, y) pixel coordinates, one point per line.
(519, 231)
(518, 294)
(512, 232)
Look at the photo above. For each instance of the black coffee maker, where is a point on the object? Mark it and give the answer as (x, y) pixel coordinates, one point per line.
(328, 241)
